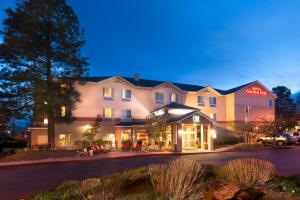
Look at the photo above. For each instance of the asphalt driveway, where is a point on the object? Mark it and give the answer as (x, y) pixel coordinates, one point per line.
(23, 181)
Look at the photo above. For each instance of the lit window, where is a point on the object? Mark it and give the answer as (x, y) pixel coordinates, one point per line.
(270, 103)
(159, 97)
(108, 93)
(63, 111)
(126, 114)
(213, 116)
(201, 101)
(63, 85)
(65, 140)
(108, 113)
(212, 101)
(175, 97)
(126, 94)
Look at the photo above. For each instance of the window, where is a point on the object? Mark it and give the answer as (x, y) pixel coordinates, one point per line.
(63, 111)
(63, 87)
(126, 114)
(108, 93)
(126, 94)
(270, 103)
(159, 97)
(201, 101)
(213, 116)
(65, 140)
(108, 113)
(213, 101)
(175, 97)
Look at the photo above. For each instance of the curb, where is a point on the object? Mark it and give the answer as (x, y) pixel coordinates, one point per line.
(258, 149)
(44, 162)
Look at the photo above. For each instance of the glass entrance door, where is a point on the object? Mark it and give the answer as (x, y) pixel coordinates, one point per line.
(189, 137)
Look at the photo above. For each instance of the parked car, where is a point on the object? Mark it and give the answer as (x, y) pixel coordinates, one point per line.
(295, 136)
(277, 138)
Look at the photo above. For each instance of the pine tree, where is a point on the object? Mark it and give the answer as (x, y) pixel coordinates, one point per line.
(41, 50)
(285, 107)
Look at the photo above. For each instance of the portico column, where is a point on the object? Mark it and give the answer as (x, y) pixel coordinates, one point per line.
(179, 138)
(209, 139)
(202, 137)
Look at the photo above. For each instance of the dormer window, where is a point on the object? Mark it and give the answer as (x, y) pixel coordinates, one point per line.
(212, 101)
(108, 93)
(201, 101)
(126, 94)
(175, 97)
(159, 98)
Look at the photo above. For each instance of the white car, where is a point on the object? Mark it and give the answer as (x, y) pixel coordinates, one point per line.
(295, 137)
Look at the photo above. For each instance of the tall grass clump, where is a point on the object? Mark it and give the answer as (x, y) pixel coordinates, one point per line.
(175, 179)
(106, 188)
(247, 172)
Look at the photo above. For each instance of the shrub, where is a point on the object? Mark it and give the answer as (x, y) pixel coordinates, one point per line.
(246, 172)
(226, 140)
(100, 142)
(81, 144)
(284, 185)
(67, 190)
(175, 179)
(106, 188)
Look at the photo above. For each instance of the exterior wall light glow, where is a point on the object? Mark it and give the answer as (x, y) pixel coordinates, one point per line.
(180, 132)
(45, 120)
(213, 133)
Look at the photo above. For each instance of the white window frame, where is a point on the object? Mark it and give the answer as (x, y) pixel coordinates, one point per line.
(199, 102)
(124, 92)
(159, 97)
(105, 96)
(124, 113)
(212, 101)
(213, 116)
(66, 144)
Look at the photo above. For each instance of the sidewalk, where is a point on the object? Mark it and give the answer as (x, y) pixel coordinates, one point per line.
(102, 156)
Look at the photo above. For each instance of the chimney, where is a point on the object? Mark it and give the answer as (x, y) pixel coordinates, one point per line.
(137, 77)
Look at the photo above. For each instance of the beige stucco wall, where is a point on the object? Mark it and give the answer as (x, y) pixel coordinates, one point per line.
(38, 132)
(92, 101)
(77, 128)
(220, 109)
(141, 104)
(166, 89)
(230, 107)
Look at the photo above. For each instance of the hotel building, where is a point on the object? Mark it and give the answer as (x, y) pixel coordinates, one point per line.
(125, 103)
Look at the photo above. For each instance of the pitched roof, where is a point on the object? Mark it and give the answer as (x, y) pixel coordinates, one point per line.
(153, 83)
(174, 105)
(133, 123)
(233, 90)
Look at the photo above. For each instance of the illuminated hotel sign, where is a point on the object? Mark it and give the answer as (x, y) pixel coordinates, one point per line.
(196, 119)
(256, 91)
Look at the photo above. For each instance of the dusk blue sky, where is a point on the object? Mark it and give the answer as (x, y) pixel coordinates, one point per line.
(222, 43)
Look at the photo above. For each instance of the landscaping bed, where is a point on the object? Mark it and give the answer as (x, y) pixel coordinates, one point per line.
(37, 155)
(184, 180)
(258, 146)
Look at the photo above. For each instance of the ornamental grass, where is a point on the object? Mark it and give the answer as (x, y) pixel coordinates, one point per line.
(175, 179)
(247, 172)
